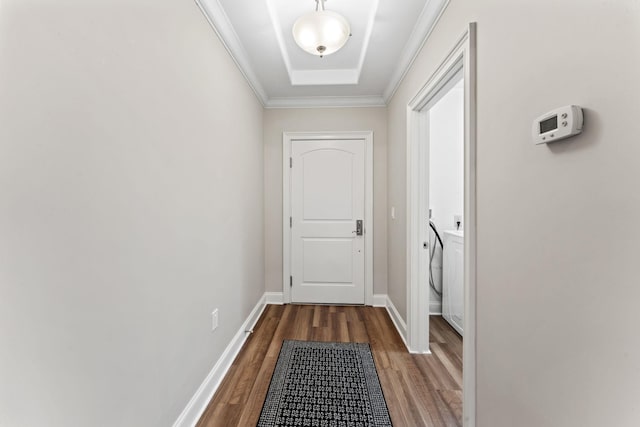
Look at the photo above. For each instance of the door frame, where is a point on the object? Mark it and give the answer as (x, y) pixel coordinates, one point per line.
(461, 58)
(287, 139)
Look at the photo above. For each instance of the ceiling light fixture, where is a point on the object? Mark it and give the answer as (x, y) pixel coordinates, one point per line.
(321, 32)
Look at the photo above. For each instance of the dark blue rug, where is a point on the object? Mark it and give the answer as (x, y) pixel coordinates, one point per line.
(324, 384)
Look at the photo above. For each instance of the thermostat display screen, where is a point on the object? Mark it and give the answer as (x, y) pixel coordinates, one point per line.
(549, 124)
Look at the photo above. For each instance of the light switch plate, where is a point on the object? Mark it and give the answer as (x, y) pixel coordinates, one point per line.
(214, 319)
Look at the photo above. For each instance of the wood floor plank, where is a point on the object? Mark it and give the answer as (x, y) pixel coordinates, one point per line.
(420, 390)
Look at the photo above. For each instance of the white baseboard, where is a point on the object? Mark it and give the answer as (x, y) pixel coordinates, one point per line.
(274, 298)
(435, 307)
(379, 300)
(397, 320)
(198, 403)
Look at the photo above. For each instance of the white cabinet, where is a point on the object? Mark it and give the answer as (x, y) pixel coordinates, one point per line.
(453, 279)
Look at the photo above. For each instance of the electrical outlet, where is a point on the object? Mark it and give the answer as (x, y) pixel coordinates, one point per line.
(457, 222)
(214, 319)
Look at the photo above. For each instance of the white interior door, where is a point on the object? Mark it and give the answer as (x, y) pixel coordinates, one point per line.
(327, 200)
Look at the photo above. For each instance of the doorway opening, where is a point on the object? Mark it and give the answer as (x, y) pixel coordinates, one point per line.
(446, 203)
(459, 222)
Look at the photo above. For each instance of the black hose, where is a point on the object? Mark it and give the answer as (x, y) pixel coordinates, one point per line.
(433, 226)
(431, 254)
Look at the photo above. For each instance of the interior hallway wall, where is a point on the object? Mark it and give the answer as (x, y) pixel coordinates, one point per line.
(277, 121)
(131, 205)
(557, 341)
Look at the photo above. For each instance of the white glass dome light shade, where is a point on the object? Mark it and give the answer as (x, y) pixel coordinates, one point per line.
(321, 33)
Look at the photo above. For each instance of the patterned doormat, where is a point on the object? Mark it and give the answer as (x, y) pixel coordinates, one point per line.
(324, 384)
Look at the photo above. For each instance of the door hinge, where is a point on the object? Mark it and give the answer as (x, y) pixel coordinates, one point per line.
(290, 222)
(291, 281)
(290, 162)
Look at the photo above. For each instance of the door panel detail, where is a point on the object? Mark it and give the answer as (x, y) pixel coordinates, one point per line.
(326, 197)
(328, 260)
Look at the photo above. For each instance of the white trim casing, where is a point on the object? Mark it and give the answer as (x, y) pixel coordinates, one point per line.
(397, 320)
(470, 245)
(417, 233)
(198, 403)
(462, 58)
(287, 138)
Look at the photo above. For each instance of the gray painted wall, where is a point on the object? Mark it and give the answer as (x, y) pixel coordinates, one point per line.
(558, 240)
(131, 205)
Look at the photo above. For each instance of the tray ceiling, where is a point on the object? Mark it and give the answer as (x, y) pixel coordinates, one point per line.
(366, 71)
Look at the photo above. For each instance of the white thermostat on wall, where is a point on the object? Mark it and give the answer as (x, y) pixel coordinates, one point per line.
(558, 124)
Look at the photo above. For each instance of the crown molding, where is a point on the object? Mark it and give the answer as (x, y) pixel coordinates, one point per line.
(427, 21)
(217, 17)
(326, 102)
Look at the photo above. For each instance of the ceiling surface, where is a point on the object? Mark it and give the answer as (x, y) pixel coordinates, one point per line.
(386, 36)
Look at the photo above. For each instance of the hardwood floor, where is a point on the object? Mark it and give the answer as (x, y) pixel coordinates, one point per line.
(420, 390)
